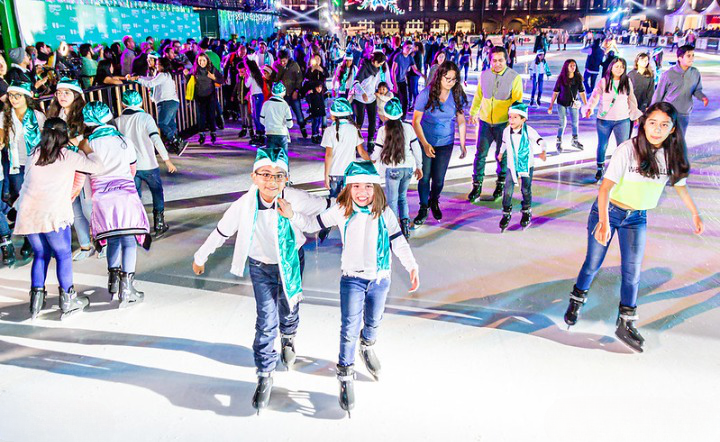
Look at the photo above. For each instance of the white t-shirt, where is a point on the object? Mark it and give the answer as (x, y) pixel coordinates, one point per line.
(263, 246)
(140, 127)
(117, 154)
(413, 153)
(536, 141)
(344, 150)
(253, 85)
(17, 139)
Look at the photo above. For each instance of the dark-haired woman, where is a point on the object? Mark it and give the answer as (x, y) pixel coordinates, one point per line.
(45, 212)
(634, 182)
(399, 153)
(438, 109)
(344, 77)
(617, 108)
(642, 78)
(206, 76)
(364, 99)
(254, 81)
(105, 75)
(569, 89)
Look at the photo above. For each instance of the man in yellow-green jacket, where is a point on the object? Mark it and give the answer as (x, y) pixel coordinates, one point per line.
(499, 87)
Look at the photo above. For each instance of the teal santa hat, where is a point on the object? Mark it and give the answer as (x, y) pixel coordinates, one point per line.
(272, 156)
(279, 90)
(69, 83)
(153, 54)
(96, 113)
(132, 99)
(519, 108)
(341, 108)
(21, 87)
(349, 56)
(361, 172)
(393, 109)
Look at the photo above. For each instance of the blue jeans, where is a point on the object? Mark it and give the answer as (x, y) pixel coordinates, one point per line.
(258, 100)
(122, 252)
(487, 134)
(434, 169)
(362, 301)
(4, 209)
(15, 183)
(630, 226)
(336, 185)
(537, 83)
(413, 88)
(525, 188)
(167, 111)
(296, 107)
(5, 161)
(280, 141)
(562, 115)
(683, 122)
(621, 129)
(273, 311)
(45, 246)
(82, 209)
(316, 125)
(589, 80)
(397, 181)
(466, 68)
(152, 179)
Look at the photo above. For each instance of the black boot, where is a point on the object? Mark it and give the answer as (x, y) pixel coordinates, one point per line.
(599, 173)
(435, 209)
(577, 300)
(160, 226)
(129, 295)
(499, 187)
(558, 145)
(71, 303)
(261, 398)
(505, 221)
(201, 139)
(262, 139)
(37, 301)
(346, 376)
(303, 131)
(421, 216)
(8, 250)
(371, 360)
(626, 330)
(213, 137)
(526, 218)
(576, 143)
(26, 252)
(242, 133)
(181, 144)
(287, 353)
(113, 281)
(405, 227)
(476, 191)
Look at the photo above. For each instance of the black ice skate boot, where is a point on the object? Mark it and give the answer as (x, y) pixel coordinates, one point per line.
(576, 144)
(475, 192)
(599, 173)
(113, 281)
(303, 131)
(626, 330)
(421, 216)
(505, 221)
(558, 145)
(213, 137)
(26, 252)
(526, 219)
(435, 209)
(261, 398)
(243, 133)
(181, 145)
(159, 224)
(577, 300)
(371, 360)
(346, 376)
(201, 139)
(8, 250)
(287, 353)
(499, 187)
(405, 227)
(129, 295)
(71, 303)
(37, 301)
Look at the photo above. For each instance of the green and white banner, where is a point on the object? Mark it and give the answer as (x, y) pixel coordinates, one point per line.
(249, 25)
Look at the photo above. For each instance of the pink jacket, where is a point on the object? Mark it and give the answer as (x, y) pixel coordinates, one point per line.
(625, 105)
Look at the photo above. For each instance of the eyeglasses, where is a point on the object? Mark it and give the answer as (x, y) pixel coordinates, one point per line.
(450, 80)
(15, 96)
(269, 176)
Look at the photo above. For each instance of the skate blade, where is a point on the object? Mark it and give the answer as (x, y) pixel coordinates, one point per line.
(128, 304)
(67, 315)
(636, 349)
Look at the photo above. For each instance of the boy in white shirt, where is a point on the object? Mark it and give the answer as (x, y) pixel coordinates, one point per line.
(277, 119)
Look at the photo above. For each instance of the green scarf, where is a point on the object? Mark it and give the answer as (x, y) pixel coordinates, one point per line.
(32, 130)
(104, 131)
(383, 238)
(522, 154)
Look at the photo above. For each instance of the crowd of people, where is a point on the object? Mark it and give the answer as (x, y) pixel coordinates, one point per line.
(98, 159)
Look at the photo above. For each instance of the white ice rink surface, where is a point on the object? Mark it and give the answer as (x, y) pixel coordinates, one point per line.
(479, 353)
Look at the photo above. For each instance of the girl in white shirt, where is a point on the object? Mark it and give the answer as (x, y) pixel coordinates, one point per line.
(368, 227)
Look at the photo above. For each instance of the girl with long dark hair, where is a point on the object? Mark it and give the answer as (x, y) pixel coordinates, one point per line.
(254, 81)
(617, 108)
(538, 70)
(206, 77)
(438, 109)
(642, 78)
(45, 212)
(634, 182)
(568, 90)
(344, 77)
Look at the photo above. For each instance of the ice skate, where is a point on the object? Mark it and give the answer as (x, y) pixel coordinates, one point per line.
(505, 221)
(287, 353)
(346, 376)
(371, 360)
(213, 137)
(577, 300)
(26, 252)
(261, 398)
(499, 187)
(599, 174)
(435, 209)
(8, 251)
(160, 226)
(71, 303)
(558, 145)
(475, 192)
(626, 331)
(576, 143)
(421, 216)
(128, 294)
(526, 219)
(113, 281)
(37, 301)
(405, 227)
(201, 139)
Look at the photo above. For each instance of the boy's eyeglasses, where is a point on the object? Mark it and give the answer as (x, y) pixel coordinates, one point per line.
(269, 176)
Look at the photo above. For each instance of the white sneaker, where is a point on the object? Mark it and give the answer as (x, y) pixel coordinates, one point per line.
(83, 254)
(102, 253)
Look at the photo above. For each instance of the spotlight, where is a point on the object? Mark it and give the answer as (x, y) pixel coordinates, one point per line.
(278, 4)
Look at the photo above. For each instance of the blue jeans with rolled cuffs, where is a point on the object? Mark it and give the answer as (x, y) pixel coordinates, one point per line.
(605, 128)
(362, 302)
(631, 228)
(273, 311)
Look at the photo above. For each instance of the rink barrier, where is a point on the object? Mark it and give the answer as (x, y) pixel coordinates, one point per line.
(112, 96)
